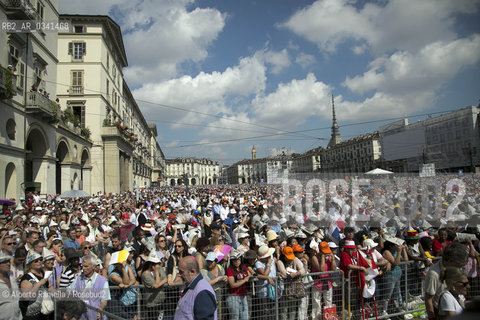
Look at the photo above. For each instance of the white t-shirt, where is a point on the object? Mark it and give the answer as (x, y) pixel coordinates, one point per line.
(448, 303)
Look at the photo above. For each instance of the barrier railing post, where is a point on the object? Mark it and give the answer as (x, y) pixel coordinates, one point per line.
(343, 298)
(276, 299)
(349, 294)
(405, 296)
(54, 308)
(139, 297)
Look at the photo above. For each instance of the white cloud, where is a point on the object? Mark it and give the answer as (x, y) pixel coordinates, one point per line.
(206, 92)
(404, 72)
(173, 36)
(330, 22)
(399, 24)
(405, 82)
(158, 35)
(305, 60)
(292, 103)
(278, 60)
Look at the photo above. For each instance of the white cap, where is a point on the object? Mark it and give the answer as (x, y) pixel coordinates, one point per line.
(332, 245)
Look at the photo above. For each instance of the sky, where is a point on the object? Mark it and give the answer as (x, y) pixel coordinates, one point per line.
(220, 76)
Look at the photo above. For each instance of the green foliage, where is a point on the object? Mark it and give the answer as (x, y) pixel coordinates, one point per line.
(85, 132)
(55, 109)
(9, 79)
(68, 115)
(76, 122)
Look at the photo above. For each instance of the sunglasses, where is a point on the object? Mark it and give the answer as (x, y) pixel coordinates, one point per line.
(178, 246)
(464, 284)
(10, 243)
(87, 248)
(161, 240)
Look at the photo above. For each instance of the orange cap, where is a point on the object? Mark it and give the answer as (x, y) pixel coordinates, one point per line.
(324, 247)
(288, 253)
(297, 248)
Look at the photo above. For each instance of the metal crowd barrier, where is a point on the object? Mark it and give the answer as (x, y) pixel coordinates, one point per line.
(325, 296)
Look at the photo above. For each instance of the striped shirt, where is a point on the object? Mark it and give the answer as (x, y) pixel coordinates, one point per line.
(67, 277)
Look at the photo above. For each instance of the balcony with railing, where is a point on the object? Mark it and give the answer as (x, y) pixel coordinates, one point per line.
(76, 90)
(37, 103)
(20, 9)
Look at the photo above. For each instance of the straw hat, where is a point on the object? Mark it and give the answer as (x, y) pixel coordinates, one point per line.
(265, 252)
(271, 235)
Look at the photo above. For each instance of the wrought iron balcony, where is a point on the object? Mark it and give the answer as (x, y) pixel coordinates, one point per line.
(20, 9)
(76, 90)
(39, 104)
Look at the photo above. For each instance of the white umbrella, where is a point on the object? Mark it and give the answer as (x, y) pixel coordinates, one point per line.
(74, 194)
(378, 171)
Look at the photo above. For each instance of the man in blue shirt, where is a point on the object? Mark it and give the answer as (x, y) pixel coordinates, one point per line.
(71, 241)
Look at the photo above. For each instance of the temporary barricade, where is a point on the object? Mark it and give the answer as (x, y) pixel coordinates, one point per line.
(315, 296)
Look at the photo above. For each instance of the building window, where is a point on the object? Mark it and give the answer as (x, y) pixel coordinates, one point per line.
(77, 50)
(15, 61)
(39, 73)
(78, 29)
(11, 129)
(108, 62)
(20, 75)
(77, 82)
(40, 11)
(108, 90)
(79, 113)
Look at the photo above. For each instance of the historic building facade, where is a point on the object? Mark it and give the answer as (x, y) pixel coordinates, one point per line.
(307, 162)
(69, 120)
(451, 142)
(191, 171)
(124, 152)
(39, 151)
(357, 155)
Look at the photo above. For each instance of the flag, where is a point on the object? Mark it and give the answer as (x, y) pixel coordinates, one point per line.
(222, 250)
(340, 223)
(334, 231)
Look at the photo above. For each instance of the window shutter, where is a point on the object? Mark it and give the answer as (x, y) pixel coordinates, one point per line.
(70, 48)
(84, 48)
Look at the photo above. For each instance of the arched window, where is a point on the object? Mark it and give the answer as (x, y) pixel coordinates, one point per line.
(11, 129)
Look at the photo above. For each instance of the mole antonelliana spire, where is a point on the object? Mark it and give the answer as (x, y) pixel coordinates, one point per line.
(336, 138)
(254, 153)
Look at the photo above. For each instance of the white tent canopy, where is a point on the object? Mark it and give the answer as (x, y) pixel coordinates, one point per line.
(379, 171)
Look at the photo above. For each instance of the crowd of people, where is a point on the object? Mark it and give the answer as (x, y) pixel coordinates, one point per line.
(253, 254)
